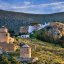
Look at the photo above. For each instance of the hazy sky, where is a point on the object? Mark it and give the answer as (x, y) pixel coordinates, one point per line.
(33, 6)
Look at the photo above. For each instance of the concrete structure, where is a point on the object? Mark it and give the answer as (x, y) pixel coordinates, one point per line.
(25, 51)
(6, 42)
(25, 54)
(5, 36)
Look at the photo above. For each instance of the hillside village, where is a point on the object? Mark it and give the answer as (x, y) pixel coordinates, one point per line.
(29, 48)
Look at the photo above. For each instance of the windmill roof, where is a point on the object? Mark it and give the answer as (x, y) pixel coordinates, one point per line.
(26, 46)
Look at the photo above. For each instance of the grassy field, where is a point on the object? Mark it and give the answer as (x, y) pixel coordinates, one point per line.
(47, 53)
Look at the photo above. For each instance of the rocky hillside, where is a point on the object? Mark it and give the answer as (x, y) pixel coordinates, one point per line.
(52, 33)
(13, 20)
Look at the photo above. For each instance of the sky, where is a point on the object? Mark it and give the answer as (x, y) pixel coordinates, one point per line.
(33, 6)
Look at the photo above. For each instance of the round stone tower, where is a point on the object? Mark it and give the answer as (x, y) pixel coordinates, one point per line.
(25, 51)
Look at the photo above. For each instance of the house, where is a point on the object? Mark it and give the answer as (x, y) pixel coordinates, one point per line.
(24, 29)
(33, 28)
(25, 36)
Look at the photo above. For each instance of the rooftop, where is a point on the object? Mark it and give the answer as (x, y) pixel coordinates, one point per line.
(26, 46)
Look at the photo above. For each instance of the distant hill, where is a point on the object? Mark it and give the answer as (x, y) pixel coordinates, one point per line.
(13, 20)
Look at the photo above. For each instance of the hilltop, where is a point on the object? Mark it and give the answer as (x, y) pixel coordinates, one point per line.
(13, 20)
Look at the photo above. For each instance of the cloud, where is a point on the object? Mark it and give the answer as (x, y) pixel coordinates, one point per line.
(29, 7)
(27, 3)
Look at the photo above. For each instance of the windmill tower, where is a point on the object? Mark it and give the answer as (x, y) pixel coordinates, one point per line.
(25, 51)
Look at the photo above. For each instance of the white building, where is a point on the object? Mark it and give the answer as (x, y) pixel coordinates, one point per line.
(24, 36)
(37, 27)
(30, 29)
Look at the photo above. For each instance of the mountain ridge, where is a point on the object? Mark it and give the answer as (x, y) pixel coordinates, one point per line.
(14, 20)
(30, 13)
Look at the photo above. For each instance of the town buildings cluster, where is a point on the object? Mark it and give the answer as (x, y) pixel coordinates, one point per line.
(26, 30)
